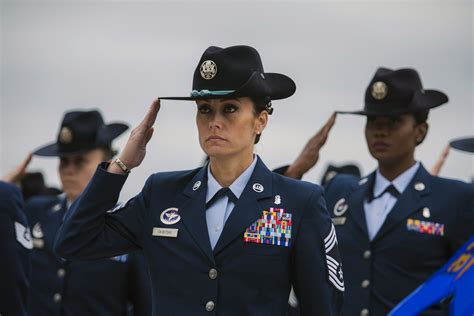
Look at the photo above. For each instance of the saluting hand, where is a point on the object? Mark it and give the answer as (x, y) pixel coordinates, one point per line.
(135, 149)
(19, 172)
(310, 154)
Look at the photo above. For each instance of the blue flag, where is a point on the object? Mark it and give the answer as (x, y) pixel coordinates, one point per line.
(455, 278)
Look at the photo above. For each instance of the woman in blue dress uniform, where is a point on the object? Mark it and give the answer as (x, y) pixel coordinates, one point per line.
(229, 238)
(400, 224)
(110, 286)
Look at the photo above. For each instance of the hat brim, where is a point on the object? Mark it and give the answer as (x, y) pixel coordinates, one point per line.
(105, 137)
(463, 144)
(273, 85)
(428, 100)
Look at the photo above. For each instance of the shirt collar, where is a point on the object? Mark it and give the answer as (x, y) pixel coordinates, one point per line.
(400, 183)
(237, 187)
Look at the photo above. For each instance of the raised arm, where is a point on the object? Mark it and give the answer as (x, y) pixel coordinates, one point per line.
(309, 156)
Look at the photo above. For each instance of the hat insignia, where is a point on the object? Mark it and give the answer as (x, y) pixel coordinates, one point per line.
(65, 135)
(208, 69)
(379, 90)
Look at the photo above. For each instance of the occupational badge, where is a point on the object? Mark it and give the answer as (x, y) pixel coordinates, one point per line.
(37, 232)
(170, 216)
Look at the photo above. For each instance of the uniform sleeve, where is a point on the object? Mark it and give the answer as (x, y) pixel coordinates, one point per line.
(139, 284)
(93, 229)
(15, 243)
(316, 265)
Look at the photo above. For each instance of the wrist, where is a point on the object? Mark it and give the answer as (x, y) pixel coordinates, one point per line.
(119, 167)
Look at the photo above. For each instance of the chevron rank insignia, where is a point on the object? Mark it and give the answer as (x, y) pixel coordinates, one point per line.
(333, 260)
(273, 228)
(425, 227)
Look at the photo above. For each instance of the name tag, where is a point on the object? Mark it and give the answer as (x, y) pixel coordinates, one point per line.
(339, 220)
(165, 232)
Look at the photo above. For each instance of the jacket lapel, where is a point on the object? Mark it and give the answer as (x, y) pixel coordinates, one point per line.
(356, 202)
(247, 209)
(408, 202)
(192, 208)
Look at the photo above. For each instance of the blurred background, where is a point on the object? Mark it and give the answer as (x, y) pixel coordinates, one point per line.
(118, 56)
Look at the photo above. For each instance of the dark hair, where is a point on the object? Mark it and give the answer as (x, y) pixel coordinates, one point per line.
(420, 118)
(261, 104)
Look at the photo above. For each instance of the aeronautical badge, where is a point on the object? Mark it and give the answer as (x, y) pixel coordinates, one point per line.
(23, 235)
(425, 227)
(273, 228)
(170, 216)
(379, 90)
(333, 260)
(208, 69)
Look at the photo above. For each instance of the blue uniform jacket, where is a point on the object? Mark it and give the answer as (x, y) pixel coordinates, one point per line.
(61, 287)
(188, 277)
(15, 245)
(431, 219)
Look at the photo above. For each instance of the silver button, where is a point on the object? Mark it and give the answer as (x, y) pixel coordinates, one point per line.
(210, 306)
(367, 254)
(213, 274)
(364, 312)
(61, 273)
(365, 284)
(57, 298)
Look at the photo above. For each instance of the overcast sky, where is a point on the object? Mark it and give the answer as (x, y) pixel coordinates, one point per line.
(119, 56)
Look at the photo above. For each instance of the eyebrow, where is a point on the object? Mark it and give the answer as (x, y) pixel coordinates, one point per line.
(229, 99)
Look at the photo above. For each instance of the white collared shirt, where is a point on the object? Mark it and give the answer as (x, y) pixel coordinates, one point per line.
(218, 213)
(377, 210)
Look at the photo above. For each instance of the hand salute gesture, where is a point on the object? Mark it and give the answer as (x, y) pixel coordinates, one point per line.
(135, 149)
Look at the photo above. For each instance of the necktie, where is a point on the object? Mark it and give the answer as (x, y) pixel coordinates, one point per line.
(390, 189)
(222, 192)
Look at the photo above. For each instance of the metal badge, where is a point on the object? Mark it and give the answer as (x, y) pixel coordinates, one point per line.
(340, 207)
(277, 200)
(426, 212)
(170, 216)
(37, 232)
(208, 69)
(65, 135)
(379, 90)
(257, 187)
(196, 185)
(165, 232)
(419, 186)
